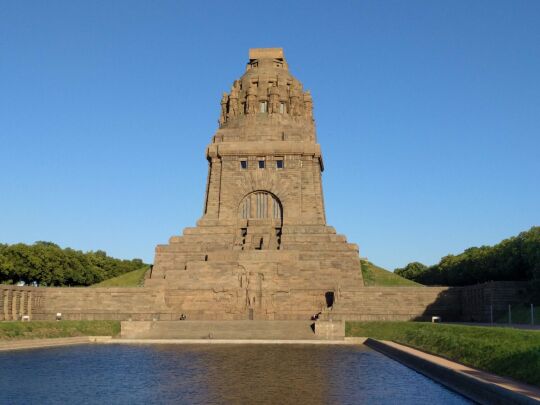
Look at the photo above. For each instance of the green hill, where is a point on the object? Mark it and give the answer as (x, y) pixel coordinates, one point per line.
(132, 279)
(375, 276)
(514, 259)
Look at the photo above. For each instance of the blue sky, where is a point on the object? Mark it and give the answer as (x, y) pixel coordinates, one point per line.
(428, 115)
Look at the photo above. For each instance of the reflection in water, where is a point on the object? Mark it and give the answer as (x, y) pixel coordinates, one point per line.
(213, 374)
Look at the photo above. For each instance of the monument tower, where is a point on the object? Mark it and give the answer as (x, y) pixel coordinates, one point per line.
(262, 249)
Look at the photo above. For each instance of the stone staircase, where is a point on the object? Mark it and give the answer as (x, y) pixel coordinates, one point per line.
(225, 330)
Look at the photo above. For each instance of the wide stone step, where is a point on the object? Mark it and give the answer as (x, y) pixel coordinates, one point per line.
(189, 247)
(308, 229)
(312, 238)
(320, 247)
(278, 330)
(208, 230)
(203, 238)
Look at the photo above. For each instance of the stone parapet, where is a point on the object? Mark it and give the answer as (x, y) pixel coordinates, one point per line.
(267, 148)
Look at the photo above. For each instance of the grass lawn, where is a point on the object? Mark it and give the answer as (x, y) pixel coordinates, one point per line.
(521, 313)
(132, 279)
(375, 276)
(507, 352)
(57, 329)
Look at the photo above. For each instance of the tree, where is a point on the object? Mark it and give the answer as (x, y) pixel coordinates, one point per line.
(411, 271)
(47, 264)
(513, 259)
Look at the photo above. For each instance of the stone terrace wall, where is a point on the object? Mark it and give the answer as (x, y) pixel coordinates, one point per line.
(479, 300)
(80, 303)
(369, 303)
(398, 304)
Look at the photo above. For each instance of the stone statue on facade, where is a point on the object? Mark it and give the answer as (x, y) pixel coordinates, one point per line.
(223, 116)
(308, 104)
(295, 102)
(233, 100)
(253, 289)
(251, 100)
(274, 103)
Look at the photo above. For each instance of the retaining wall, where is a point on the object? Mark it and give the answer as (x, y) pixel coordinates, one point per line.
(369, 303)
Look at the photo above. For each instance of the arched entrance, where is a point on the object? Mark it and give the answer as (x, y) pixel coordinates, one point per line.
(260, 218)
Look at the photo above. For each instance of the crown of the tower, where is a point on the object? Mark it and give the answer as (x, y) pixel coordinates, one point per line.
(266, 89)
(266, 59)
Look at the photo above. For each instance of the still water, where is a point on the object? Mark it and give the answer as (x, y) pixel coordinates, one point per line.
(213, 374)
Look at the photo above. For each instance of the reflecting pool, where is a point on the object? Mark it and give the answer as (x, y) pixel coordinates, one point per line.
(213, 374)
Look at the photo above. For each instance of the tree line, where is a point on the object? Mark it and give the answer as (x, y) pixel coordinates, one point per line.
(47, 264)
(514, 259)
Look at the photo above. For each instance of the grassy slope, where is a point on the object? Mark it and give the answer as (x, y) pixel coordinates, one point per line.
(503, 351)
(521, 314)
(375, 276)
(53, 329)
(132, 279)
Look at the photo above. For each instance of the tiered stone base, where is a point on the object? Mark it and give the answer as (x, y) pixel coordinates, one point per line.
(209, 274)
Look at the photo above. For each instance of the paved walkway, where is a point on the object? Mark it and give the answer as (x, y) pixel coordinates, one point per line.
(503, 382)
(229, 341)
(53, 342)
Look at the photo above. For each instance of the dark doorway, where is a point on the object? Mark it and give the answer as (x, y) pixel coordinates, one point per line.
(329, 298)
(250, 314)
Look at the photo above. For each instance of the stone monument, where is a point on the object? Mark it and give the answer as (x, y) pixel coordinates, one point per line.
(262, 249)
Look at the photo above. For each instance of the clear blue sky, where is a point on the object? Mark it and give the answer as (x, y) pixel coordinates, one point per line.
(428, 114)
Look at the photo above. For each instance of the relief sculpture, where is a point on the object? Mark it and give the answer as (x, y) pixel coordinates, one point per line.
(296, 103)
(274, 104)
(251, 100)
(308, 104)
(223, 116)
(233, 100)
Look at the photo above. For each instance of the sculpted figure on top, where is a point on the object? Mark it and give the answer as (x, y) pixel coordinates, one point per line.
(308, 104)
(224, 101)
(296, 104)
(274, 103)
(233, 100)
(251, 99)
(266, 88)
